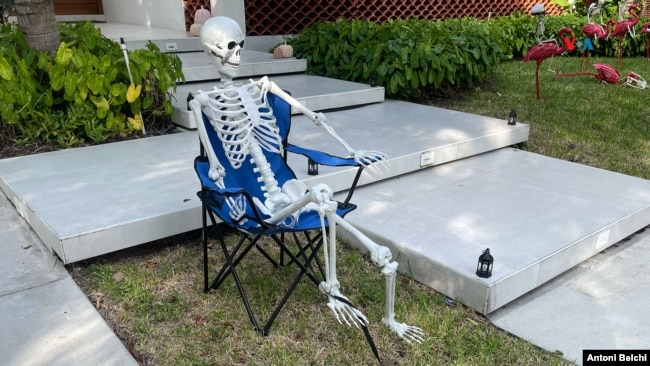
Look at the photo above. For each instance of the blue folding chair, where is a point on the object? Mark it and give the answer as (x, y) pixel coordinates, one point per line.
(241, 187)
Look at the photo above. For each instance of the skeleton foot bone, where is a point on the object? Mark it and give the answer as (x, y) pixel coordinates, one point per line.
(407, 332)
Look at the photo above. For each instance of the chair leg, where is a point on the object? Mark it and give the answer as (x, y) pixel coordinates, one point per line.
(305, 269)
(309, 244)
(225, 269)
(204, 239)
(304, 261)
(288, 292)
(240, 288)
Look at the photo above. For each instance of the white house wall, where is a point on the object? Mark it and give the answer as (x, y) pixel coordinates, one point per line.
(231, 8)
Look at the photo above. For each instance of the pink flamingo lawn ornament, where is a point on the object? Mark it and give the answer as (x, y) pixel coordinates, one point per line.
(604, 73)
(645, 29)
(622, 28)
(541, 52)
(594, 31)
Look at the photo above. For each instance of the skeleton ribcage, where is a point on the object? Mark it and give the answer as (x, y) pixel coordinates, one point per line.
(241, 115)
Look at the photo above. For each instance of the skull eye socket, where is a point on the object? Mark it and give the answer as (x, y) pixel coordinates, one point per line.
(232, 44)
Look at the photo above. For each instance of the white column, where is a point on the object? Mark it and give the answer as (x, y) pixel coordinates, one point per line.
(230, 8)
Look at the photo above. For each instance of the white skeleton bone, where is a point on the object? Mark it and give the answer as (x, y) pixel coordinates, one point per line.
(634, 80)
(594, 9)
(243, 120)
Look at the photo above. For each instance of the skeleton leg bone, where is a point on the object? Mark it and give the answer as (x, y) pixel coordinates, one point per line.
(381, 257)
(407, 332)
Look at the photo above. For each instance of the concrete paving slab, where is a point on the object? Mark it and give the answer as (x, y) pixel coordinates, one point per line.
(90, 201)
(23, 263)
(55, 324)
(106, 194)
(46, 319)
(539, 216)
(137, 36)
(599, 304)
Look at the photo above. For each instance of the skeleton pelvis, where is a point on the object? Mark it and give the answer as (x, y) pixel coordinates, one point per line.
(290, 192)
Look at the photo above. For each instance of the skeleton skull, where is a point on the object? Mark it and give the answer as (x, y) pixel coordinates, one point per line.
(223, 39)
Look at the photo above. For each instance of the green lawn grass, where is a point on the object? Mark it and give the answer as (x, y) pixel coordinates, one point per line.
(578, 118)
(152, 296)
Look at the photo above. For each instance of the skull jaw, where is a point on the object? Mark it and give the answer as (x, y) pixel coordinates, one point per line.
(227, 66)
(226, 69)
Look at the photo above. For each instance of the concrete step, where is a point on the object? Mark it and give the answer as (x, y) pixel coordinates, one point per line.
(315, 92)
(137, 36)
(198, 66)
(89, 201)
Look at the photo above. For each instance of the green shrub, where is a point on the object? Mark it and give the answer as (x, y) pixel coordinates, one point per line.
(515, 34)
(407, 57)
(412, 57)
(83, 92)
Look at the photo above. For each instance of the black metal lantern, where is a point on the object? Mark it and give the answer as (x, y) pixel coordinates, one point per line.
(312, 167)
(512, 118)
(485, 262)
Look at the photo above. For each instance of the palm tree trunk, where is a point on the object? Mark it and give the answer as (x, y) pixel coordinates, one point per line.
(37, 22)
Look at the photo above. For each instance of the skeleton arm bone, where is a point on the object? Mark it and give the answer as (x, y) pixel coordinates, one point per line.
(216, 170)
(361, 156)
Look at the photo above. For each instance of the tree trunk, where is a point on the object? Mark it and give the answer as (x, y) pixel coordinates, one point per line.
(37, 22)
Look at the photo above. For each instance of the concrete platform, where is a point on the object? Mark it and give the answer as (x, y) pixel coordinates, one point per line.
(315, 92)
(168, 40)
(89, 201)
(539, 216)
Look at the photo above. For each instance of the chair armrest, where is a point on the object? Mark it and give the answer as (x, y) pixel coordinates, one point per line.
(322, 157)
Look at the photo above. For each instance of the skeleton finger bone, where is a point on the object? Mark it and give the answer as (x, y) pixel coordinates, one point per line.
(339, 304)
(371, 159)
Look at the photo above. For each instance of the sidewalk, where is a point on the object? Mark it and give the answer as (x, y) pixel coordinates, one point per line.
(46, 319)
(600, 304)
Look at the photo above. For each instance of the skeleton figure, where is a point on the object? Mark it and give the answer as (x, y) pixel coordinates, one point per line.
(540, 12)
(595, 9)
(244, 122)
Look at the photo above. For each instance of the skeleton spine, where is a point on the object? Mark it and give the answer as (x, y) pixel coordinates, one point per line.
(264, 168)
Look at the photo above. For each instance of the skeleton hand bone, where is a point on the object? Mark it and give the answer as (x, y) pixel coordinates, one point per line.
(370, 158)
(342, 310)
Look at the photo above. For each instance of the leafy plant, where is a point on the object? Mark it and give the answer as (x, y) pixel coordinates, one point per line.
(82, 92)
(412, 58)
(408, 57)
